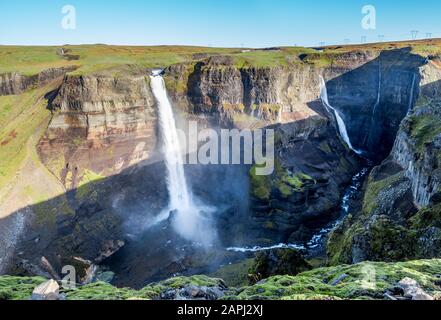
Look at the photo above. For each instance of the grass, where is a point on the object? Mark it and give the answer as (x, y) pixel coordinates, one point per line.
(20, 116)
(30, 60)
(373, 190)
(87, 185)
(425, 129)
(93, 58)
(260, 185)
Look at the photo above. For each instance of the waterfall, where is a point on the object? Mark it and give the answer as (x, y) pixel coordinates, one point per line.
(412, 92)
(190, 217)
(377, 103)
(341, 124)
(176, 182)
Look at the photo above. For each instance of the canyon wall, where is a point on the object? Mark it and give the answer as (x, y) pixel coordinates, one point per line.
(16, 83)
(103, 123)
(104, 133)
(400, 214)
(106, 122)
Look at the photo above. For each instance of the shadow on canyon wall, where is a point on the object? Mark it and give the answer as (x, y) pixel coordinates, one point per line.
(374, 98)
(114, 214)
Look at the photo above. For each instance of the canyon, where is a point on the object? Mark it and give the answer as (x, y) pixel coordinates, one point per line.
(369, 192)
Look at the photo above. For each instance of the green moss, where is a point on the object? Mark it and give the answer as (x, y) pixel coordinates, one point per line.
(17, 125)
(424, 129)
(340, 240)
(288, 183)
(101, 291)
(373, 190)
(391, 242)
(234, 275)
(18, 288)
(229, 108)
(363, 281)
(260, 185)
(367, 280)
(178, 84)
(87, 185)
(325, 147)
(427, 217)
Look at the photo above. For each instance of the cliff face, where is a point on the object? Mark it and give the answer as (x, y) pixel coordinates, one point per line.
(101, 123)
(400, 216)
(418, 143)
(105, 123)
(237, 95)
(375, 97)
(16, 83)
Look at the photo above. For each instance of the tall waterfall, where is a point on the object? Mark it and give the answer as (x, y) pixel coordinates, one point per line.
(340, 122)
(377, 102)
(376, 105)
(190, 218)
(412, 93)
(177, 184)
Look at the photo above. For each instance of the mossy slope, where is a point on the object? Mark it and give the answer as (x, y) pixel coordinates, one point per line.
(368, 280)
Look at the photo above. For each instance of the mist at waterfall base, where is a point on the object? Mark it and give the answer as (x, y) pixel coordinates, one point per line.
(190, 217)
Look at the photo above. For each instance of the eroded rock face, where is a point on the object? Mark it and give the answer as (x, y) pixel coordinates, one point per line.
(303, 194)
(17, 83)
(400, 215)
(106, 123)
(103, 123)
(418, 143)
(374, 98)
(244, 96)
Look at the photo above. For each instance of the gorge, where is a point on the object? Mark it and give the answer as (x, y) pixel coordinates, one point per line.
(356, 173)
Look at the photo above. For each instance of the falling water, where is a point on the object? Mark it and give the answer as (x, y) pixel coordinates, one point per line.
(377, 103)
(412, 92)
(340, 122)
(177, 184)
(190, 217)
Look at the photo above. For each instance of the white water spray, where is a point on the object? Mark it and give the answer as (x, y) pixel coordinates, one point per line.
(191, 221)
(341, 124)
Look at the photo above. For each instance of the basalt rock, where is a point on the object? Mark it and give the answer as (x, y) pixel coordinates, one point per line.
(101, 123)
(400, 215)
(17, 83)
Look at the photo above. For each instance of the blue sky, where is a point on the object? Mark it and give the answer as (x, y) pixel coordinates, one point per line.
(221, 23)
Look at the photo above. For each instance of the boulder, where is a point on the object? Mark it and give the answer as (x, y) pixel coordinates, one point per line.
(192, 292)
(412, 290)
(49, 290)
